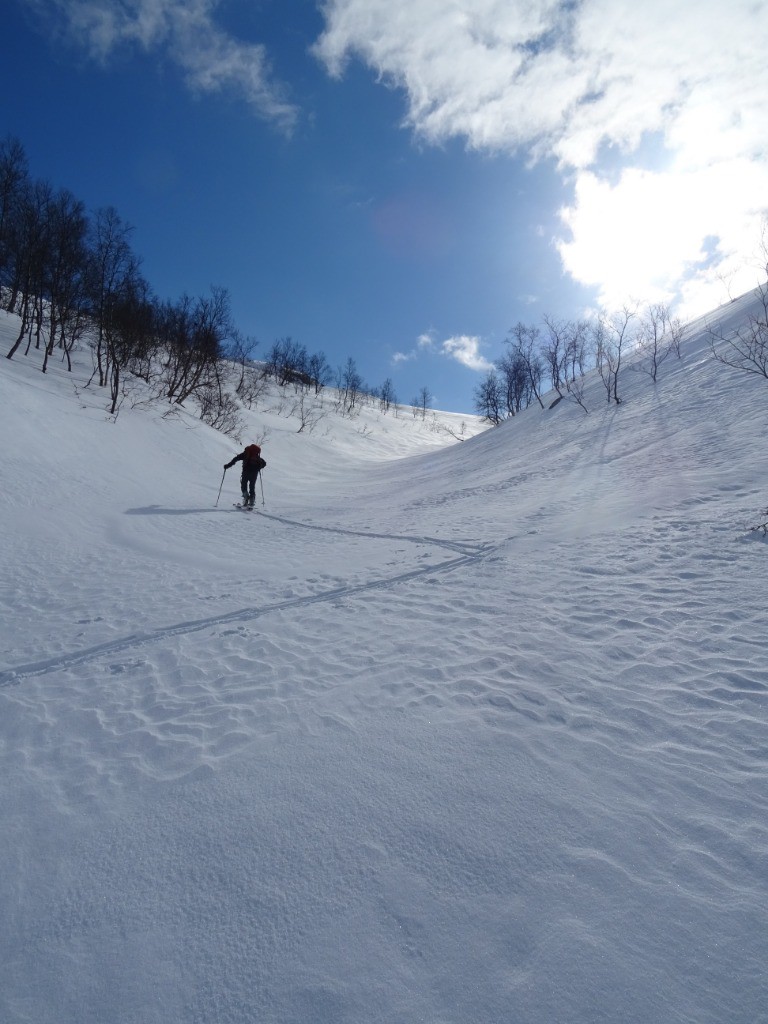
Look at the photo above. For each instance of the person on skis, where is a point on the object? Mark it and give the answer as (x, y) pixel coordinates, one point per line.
(253, 463)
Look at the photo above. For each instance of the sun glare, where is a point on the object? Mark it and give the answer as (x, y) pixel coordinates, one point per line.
(645, 234)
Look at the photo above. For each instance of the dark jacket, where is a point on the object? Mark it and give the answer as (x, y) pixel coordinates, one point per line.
(251, 459)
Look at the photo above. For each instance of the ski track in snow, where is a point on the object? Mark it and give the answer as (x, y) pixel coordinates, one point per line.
(659, 631)
(468, 553)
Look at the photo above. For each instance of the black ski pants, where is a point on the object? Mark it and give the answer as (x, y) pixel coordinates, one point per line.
(248, 482)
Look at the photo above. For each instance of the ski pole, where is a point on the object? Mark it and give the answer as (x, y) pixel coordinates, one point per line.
(220, 486)
(262, 490)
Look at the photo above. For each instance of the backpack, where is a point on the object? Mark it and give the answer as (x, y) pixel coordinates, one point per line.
(251, 453)
(252, 456)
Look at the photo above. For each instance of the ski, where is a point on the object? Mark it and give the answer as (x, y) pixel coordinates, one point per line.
(245, 508)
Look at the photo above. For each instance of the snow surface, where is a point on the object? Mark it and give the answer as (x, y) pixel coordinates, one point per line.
(468, 736)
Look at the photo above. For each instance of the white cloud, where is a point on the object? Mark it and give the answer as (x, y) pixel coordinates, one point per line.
(185, 30)
(568, 81)
(462, 348)
(465, 349)
(424, 343)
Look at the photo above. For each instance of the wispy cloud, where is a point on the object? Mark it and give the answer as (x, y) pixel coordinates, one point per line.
(465, 349)
(186, 33)
(572, 82)
(462, 348)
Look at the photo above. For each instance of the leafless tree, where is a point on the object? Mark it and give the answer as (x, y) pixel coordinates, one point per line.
(387, 396)
(131, 337)
(239, 352)
(28, 244)
(319, 371)
(221, 411)
(422, 402)
(192, 333)
(308, 413)
(113, 270)
(746, 348)
(489, 398)
(659, 335)
(64, 272)
(576, 390)
(524, 343)
(612, 336)
(251, 379)
(349, 386)
(14, 183)
(564, 351)
(515, 381)
(575, 362)
(554, 351)
(599, 343)
(287, 363)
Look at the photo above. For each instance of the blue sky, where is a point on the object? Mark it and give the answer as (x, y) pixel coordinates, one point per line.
(400, 181)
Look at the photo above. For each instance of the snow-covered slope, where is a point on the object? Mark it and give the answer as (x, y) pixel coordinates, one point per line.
(472, 735)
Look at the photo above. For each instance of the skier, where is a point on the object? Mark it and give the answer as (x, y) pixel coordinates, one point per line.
(252, 461)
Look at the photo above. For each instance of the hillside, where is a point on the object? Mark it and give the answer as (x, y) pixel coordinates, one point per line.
(449, 732)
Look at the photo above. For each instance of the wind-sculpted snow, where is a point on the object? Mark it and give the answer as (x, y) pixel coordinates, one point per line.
(473, 736)
(425, 566)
